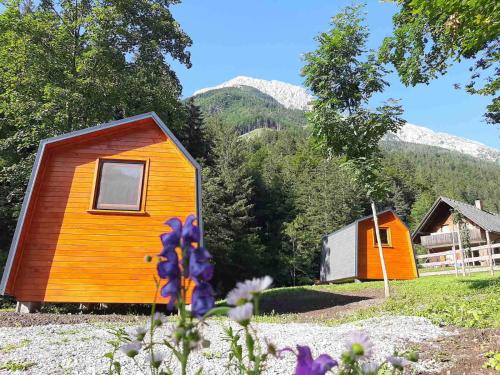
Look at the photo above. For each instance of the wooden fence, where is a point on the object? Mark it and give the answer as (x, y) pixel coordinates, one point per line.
(460, 266)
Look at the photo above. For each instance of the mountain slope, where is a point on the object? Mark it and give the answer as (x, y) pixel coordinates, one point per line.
(418, 134)
(251, 103)
(290, 96)
(247, 109)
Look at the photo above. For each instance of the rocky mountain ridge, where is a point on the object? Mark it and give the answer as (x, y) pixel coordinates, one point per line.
(297, 98)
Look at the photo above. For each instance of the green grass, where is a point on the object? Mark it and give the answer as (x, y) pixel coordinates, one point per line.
(7, 304)
(11, 347)
(16, 366)
(345, 287)
(437, 269)
(69, 332)
(447, 300)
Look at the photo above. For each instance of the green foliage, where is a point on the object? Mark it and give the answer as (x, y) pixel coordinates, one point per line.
(469, 302)
(16, 366)
(247, 109)
(448, 300)
(11, 347)
(344, 76)
(326, 198)
(193, 134)
(69, 65)
(230, 231)
(434, 172)
(430, 35)
(297, 195)
(493, 360)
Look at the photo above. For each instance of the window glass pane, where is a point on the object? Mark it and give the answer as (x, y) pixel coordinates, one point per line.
(120, 186)
(384, 236)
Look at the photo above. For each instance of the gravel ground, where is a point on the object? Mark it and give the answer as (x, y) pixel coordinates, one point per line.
(12, 319)
(79, 348)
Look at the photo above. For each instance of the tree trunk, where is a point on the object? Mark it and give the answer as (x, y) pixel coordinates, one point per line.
(461, 247)
(380, 251)
(490, 253)
(454, 250)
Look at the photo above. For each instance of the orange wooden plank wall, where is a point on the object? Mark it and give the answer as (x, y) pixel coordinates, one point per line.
(399, 259)
(67, 254)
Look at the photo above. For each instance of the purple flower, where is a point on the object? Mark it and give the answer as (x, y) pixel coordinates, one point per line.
(203, 299)
(195, 264)
(168, 269)
(171, 291)
(306, 365)
(171, 239)
(190, 233)
(200, 267)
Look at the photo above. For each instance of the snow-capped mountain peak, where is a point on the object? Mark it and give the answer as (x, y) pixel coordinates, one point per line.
(419, 134)
(288, 95)
(296, 97)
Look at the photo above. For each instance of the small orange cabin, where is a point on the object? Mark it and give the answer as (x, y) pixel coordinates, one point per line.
(352, 251)
(94, 208)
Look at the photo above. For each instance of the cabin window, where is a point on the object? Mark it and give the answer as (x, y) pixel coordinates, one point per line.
(385, 236)
(119, 185)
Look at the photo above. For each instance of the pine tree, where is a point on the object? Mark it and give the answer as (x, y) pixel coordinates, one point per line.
(230, 233)
(193, 134)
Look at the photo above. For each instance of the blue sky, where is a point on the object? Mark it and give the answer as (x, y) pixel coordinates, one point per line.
(266, 38)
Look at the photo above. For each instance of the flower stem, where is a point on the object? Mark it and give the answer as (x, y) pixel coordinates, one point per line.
(151, 332)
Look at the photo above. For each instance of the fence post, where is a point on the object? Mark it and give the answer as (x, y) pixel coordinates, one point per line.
(490, 252)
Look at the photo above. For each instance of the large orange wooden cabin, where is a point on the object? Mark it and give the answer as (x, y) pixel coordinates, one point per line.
(94, 208)
(352, 251)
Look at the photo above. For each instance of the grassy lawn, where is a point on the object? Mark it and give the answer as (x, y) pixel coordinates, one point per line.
(437, 269)
(472, 301)
(467, 302)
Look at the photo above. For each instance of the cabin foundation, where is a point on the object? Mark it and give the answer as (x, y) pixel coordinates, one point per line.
(27, 307)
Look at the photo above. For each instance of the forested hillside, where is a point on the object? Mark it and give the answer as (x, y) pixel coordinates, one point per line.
(435, 171)
(247, 109)
(270, 196)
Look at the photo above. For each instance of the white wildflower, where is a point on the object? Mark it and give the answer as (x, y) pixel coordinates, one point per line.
(359, 345)
(131, 349)
(139, 333)
(159, 319)
(244, 291)
(398, 362)
(242, 313)
(369, 368)
(156, 359)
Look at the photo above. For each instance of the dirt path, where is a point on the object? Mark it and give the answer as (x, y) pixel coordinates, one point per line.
(316, 305)
(309, 305)
(462, 353)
